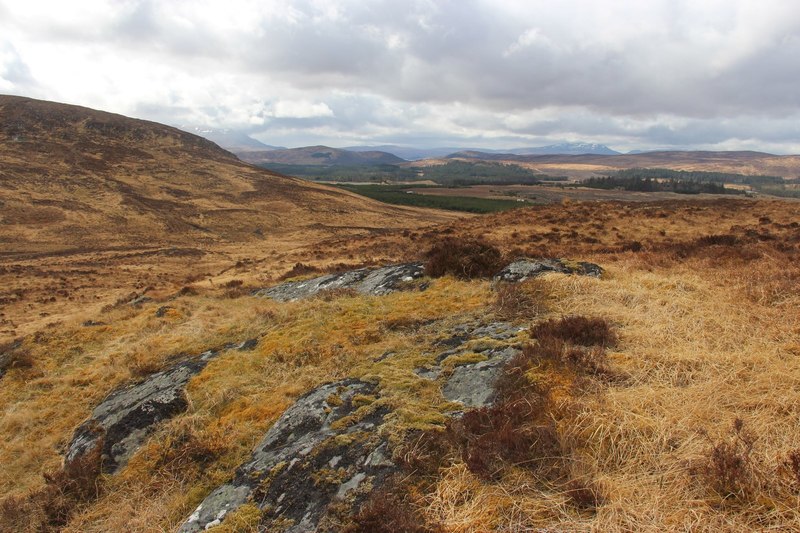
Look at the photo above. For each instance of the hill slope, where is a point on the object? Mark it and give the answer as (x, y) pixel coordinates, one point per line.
(67, 172)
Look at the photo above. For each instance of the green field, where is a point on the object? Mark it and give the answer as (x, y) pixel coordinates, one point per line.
(399, 195)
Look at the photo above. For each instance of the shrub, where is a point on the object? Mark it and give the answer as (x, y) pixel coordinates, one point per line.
(577, 330)
(463, 258)
(632, 246)
(716, 240)
(188, 290)
(792, 468)
(236, 288)
(12, 355)
(728, 468)
(49, 508)
(507, 434)
(299, 269)
(584, 495)
(389, 510)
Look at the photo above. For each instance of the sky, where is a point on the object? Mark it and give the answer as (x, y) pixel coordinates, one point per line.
(631, 74)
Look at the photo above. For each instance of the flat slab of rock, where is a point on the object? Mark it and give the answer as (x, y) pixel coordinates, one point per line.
(312, 456)
(378, 281)
(120, 424)
(523, 269)
(472, 385)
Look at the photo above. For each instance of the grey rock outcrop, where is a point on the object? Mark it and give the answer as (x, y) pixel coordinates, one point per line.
(378, 281)
(324, 455)
(123, 420)
(523, 269)
(321, 450)
(473, 385)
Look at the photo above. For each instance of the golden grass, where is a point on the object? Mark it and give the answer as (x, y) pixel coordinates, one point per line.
(697, 359)
(232, 402)
(704, 339)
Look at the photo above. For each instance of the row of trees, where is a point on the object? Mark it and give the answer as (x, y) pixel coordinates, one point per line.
(641, 184)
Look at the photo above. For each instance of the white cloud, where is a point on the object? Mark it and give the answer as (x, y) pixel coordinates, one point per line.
(300, 109)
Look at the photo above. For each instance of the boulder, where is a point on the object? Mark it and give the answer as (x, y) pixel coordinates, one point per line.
(120, 424)
(523, 269)
(378, 281)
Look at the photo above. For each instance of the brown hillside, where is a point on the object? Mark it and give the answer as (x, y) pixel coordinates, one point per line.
(67, 172)
(95, 207)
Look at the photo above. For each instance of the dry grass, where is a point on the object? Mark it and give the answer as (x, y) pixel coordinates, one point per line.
(707, 333)
(698, 360)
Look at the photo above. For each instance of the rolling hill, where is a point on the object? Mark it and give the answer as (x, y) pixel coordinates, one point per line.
(96, 207)
(67, 172)
(580, 166)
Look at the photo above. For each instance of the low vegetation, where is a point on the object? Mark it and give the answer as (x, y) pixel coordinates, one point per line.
(464, 259)
(447, 174)
(695, 176)
(400, 195)
(660, 397)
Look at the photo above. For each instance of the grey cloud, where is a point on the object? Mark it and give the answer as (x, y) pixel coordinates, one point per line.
(658, 73)
(16, 71)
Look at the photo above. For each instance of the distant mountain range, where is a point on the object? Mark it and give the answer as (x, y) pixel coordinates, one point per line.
(574, 159)
(319, 156)
(566, 148)
(231, 140)
(239, 142)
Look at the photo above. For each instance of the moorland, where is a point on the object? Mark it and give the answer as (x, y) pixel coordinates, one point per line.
(662, 395)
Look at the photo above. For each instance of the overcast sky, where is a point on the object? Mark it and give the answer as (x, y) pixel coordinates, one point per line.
(632, 74)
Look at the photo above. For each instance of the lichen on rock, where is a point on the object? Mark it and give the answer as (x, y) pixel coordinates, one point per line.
(306, 461)
(523, 269)
(378, 281)
(127, 416)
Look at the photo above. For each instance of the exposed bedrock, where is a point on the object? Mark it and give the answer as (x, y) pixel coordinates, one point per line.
(377, 281)
(124, 419)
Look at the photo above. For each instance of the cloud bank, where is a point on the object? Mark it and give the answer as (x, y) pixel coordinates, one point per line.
(631, 74)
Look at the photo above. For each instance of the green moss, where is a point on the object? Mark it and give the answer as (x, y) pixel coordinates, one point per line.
(334, 400)
(329, 476)
(419, 419)
(345, 440)
(243, 520)
(462, 359)
(357, 415)
(572, 266)
(484, 344)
